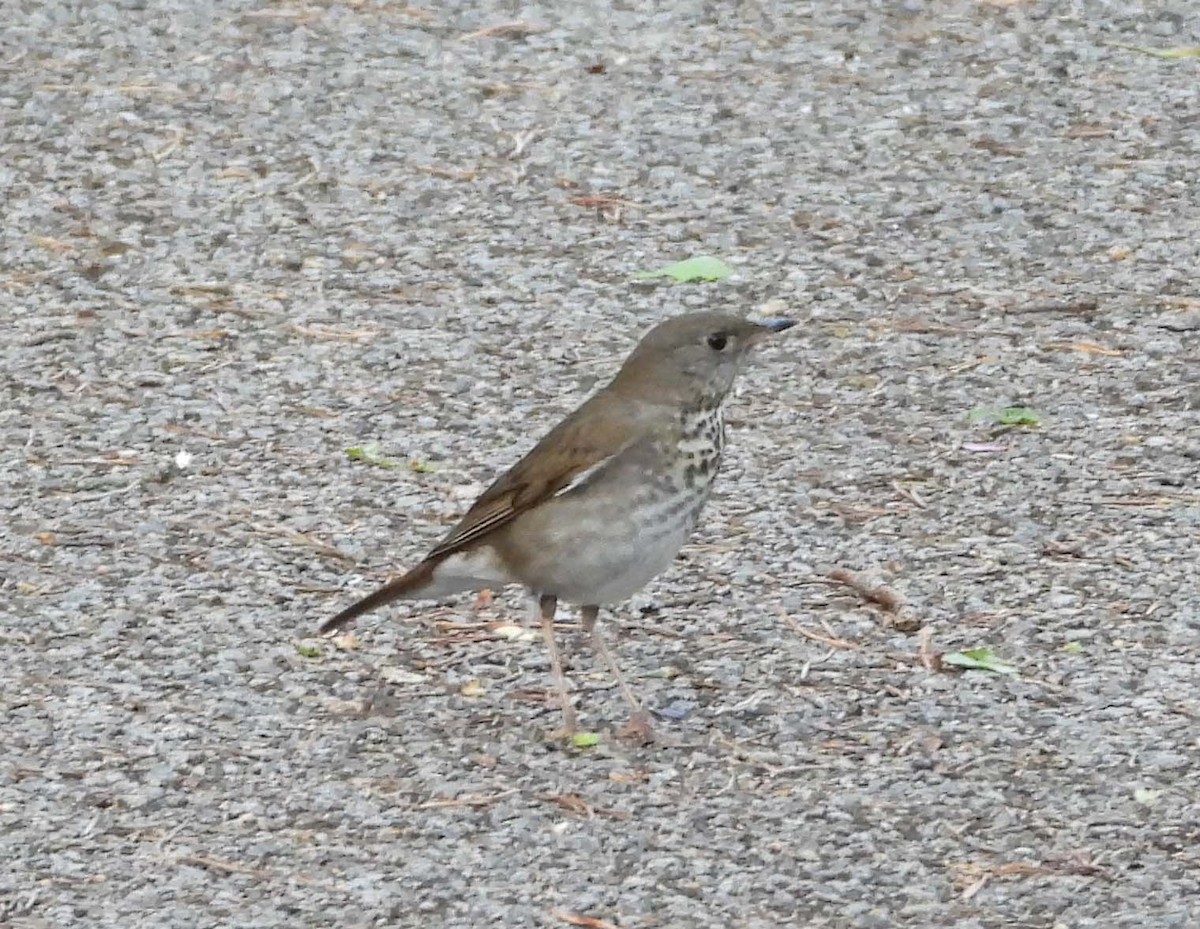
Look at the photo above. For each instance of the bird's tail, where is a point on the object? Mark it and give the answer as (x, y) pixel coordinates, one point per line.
(413, 585)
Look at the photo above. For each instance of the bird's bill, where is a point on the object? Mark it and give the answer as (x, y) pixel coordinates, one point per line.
(769, 326)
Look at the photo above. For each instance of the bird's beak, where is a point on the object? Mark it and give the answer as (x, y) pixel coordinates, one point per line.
(768, 326)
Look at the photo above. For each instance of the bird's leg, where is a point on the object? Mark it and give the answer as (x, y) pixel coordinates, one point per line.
(639, 726)
(547, 604)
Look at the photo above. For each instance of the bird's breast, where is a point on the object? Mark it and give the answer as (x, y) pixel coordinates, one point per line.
(699, 447)
(682, 476)
(604, 538)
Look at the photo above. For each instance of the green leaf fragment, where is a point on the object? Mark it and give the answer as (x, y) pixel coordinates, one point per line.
(1167, 54)
(701, 268)
(1005, 416)
(369, 454)
(308, 651)
(979, 659)
(1174, 54)
(585, 739)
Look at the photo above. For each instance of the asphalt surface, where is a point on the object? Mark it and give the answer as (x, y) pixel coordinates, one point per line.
(241, 238)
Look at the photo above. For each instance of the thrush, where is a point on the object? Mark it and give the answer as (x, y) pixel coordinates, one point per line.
(604, 502)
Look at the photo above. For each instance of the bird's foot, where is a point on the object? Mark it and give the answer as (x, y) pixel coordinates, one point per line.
(562, 734)
(638, 730)
(569, 728)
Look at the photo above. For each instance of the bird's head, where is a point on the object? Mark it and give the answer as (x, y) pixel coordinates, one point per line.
(693, 359)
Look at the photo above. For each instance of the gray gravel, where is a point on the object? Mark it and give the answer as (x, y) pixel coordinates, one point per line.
(239, 238)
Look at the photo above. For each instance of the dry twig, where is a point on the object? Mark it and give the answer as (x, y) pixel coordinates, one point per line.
(576, 919)
(515, 30)
(830, 639)
(472, 800)
(882, 596)
(217, 864)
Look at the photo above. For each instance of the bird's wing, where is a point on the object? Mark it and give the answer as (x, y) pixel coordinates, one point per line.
(581, 443)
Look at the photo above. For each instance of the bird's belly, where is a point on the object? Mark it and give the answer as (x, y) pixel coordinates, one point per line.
(593, 554)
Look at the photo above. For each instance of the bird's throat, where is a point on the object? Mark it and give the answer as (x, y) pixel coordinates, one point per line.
(701, 442)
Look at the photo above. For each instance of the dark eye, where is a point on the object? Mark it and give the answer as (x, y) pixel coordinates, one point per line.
(717, 341)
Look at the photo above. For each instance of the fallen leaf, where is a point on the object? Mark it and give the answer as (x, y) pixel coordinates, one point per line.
(369, 454)
(1167, 54)
(702, 268)
(472, 689)
(515, 633)
(978, 659)
(576, 919)
(1005, 416)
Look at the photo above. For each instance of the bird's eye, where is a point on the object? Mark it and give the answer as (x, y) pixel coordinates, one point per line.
(717, 341)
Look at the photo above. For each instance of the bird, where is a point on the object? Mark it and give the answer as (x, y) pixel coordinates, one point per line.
(604, 502)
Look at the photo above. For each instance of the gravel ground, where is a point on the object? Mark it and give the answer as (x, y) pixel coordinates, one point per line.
(240, 238)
